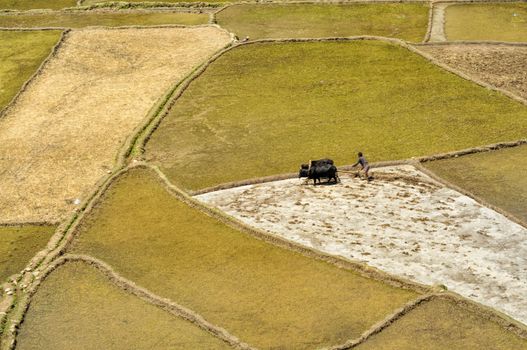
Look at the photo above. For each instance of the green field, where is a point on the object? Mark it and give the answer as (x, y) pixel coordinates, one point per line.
(93, 2)
(18, 244)
(405, 21)
(36, 4)
(264, 109)
(501, 22)
(499, 177)
(441, 324)
(267, 296)
(80, 19)
(78, 308)
(21, 53)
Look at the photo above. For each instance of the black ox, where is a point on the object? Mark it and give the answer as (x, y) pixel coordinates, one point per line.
(319, 169)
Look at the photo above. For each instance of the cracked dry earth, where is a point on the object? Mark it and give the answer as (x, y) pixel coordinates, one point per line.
(420, 230)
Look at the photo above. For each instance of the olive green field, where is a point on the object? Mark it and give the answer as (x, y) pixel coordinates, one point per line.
(405, 21)
(499, 177)
(18, 244)
(93, 2)
(77, 304)
(263, 109)
(493, 21)
(79, 19)
(36, 4)
(442, 324)
(21, 53)
(253, 289)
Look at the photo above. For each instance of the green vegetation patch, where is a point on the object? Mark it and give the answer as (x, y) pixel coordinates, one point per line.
(441, 324)
(36, 4)
(21, 53)
(500, 22)
(76, 307)
(78, 19)
(406, 21)
(263, 109)
(18, 244)
(267, 296)
(498, 177)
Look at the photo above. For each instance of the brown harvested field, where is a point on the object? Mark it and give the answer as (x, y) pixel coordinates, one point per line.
(502, 66)
(64, 132)
(442, 324)
(77, 307)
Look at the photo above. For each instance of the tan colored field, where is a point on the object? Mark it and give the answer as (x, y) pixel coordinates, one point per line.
(442, 324)
(267, 296)
(65, 131)
(501, 66)
(78, 308)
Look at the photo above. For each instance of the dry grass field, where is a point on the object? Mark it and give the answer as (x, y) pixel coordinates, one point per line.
(257, 291)
(493, 21)
(405, 21)
(78, 305)
(322, 99)
(78, 19)
(21, 53)
(18, 244)
(502, 66)
(65, 131)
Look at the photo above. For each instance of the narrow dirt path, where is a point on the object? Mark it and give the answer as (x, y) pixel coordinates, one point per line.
(438, 23)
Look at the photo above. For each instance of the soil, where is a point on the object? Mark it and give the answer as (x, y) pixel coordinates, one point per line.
(502, 66)
(64, 132)
(421, 231)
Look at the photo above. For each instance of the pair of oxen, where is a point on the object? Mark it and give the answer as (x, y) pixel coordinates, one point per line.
(319, 169)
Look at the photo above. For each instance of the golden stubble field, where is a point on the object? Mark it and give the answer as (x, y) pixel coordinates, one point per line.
(65, 130)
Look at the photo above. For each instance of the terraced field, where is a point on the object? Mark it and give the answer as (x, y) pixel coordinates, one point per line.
(97, 90)
(441, 324)
(21, 53)
(404, 21)
(36, 4)
(498, 177)
(502, 66)
(232, 279)
(120, 112)
(18, 244)
(494, 21)
(322, 99)
(77, 299)
(79, 19)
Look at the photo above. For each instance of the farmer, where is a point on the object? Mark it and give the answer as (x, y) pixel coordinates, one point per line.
(364, 164)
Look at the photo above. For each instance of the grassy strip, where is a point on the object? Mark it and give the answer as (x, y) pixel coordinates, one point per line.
(253, 289)
(78, 19)
(36, 4)
(264, 108)
(443, 324)
(497, 177)
(76, 299)
(499, 22)
(406, 21)
(21, 53)
(18, 244)
(143, 2)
